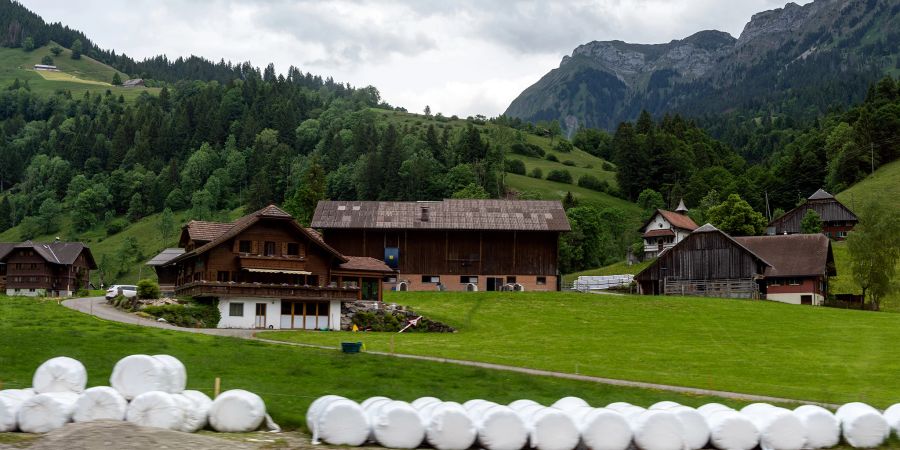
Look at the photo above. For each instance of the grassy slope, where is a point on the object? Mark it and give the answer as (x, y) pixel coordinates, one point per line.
(619, 268)
(755, 347)
(287, 378)
(77, 76)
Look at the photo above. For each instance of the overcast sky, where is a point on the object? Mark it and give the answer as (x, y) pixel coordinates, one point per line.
(460, 57)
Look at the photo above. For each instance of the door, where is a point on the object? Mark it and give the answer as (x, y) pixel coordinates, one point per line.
(260, 315)
(806, 299)
(494, 284)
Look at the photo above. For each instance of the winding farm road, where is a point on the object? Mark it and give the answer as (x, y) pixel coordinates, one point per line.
(98, 307)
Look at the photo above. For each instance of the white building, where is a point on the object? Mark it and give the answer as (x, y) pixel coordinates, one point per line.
(665, 229)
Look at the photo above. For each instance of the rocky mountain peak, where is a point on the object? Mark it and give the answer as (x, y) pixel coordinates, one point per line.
(780, 20)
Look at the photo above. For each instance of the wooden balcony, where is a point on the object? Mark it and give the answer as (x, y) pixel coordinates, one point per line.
(284, 291)
(272, 262)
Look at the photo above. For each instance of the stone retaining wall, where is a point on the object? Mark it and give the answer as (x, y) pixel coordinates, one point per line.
(390, 314)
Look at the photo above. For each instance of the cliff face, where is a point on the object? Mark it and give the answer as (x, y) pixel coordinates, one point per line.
(603, 83)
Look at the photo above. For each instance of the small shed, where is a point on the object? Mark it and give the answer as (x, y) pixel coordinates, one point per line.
(45, 67)
(134, 82)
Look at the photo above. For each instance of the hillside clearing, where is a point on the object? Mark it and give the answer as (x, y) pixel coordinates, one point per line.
(62, 76)
(764, 348)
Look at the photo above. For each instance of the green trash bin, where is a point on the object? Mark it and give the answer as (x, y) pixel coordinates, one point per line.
(351, 347)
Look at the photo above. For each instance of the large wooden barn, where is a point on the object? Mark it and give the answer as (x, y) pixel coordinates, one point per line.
(56, 269)
(459, 245)
(800, 266)
(837, 219)
(267, 271)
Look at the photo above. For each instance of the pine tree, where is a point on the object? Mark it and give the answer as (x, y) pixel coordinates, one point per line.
(116, 79)
(5, 214)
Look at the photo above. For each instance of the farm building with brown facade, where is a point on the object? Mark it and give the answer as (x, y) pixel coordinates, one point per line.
(708, 262)
(267, 271)
(457, 245)
(56, 269)
(837, 219)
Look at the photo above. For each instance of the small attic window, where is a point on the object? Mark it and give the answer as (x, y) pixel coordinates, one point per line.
(356, 208)
(548, 216)
(660, 225)
(342, 207)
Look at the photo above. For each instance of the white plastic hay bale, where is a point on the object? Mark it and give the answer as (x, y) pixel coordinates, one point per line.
(862, 425)
(396, 424)
(100, 403)
(892, 415)
(421, 402)
(604, 429)
(365, 403)
(136, 374)
(316, 407)
(569, 403)
(341, 421)
(200, 415)
(696, 431)
(10, 402)
(175, 373)
(823, 430)
(237, 411)
(779, 428)
(193, 417)
(155, 409)
(729, 429)
(551, 429)
(519, 404)
(616, 406)
(710, 408)
(499, 427)
(449, 427)
(60, 374)
(468, 405)
(46, 412)
(656, 430)
(664, 405)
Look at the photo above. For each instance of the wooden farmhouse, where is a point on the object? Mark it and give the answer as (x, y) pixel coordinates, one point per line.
(267, 271)
(665, 229)
(57, 269)
(457, 245)
(837, 219)
(709, 262)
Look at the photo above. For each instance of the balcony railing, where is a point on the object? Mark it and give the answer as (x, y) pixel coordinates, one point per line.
(292, 291)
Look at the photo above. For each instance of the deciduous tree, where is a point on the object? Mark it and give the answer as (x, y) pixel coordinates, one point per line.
(736, 217)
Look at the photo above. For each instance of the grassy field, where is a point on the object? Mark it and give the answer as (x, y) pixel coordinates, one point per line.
(553, 190)
(77, 76)
(619, 268)
(884, 185)
(287, 378)
(820, 354)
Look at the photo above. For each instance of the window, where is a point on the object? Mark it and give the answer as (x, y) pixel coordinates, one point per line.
(312, 280)
(842, 234)
(236, 309)
(541, 280)
(223, 276)
(270, 248)
(244, 246)
(431, 279)
(510, 280)
(293, 249)
(467, 279)
(794, 281)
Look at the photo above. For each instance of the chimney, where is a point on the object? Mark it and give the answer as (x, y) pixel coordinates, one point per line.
(424, 216)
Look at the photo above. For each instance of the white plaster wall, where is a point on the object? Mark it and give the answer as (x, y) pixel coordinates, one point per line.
(794, 298)
(656, 222)
(26, 292)
(248, 320)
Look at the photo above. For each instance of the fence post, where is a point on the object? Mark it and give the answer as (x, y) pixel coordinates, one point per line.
(217, 387)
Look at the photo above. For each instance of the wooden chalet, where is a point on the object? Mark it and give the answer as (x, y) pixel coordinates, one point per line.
(665, 229)
(837, 219)
(458, 245)
(800, 266)
(57, 269)
(267, 271)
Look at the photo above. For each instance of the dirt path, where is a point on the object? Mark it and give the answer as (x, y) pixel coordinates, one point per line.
(98, 307)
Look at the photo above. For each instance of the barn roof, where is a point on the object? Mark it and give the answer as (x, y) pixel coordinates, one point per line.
(520, 215)
(64, 253)
(824, 204)
(793, 255)
(365, 263)
(5, 248)
(677, 220)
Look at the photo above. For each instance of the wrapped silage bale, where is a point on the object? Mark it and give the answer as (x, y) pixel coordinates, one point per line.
(193, 416)
(602, 429)
(862, 425)
(10, 402)
(499, 427)
(549, 428)
(316, 407)
(60, 374)
(655, 430)
(100, 403)
(396, 424)
(198, 417)
(421, 402)
(892, 416)
(365, 403)
(620, 406)
(664, 405)
(729, 429)
(339, 421)
(155, 409)
(175, 373)
(237, 411)
(46, 412)
(519, 404)
(779, 428)
(448, 426)
(696, 431)
(469, 404)
(137, 374)
(569, 403)
(823, 430)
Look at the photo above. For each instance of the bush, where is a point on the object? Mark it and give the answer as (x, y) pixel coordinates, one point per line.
(569, 162)
(607, 166)
(560, 175)
(552, 157)
(47, 60)
(147, 289)
(563, 146)
(193, 314)
(593, 183)
(536, 173)
(515, 166)
(115, 226)
(527, 150)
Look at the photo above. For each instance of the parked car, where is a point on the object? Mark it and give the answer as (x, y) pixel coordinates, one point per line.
(127, 290)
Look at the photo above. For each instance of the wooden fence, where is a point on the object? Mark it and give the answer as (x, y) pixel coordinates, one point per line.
(727, 288)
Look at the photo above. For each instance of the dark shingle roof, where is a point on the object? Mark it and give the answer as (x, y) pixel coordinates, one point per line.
(199, 230)
(5, 248)
(821, 194)
(365, 263)
(793, 255)
(165, 256)
(53, 252)
(520, 215)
